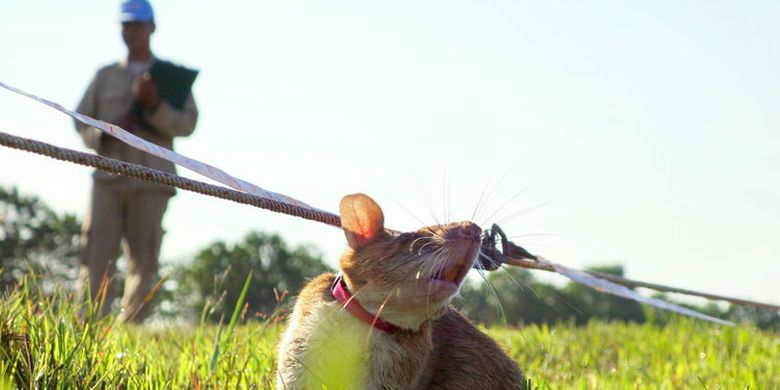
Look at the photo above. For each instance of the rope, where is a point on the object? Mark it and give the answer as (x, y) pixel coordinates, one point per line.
(164, 178)
(511, 253)
(525, 263)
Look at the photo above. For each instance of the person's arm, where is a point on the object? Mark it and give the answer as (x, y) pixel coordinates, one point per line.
(88, 106)
(173, 122)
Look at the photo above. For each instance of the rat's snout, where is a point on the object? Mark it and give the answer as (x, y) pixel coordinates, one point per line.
(469, 230)
(459, 231)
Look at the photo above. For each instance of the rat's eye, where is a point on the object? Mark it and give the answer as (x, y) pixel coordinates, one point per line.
(424, 247)
(418, 243)
(403, 237)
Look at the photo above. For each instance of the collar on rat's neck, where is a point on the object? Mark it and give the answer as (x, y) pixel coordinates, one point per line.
(345, 298)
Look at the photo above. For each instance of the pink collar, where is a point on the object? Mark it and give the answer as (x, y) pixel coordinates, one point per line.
(345, 298)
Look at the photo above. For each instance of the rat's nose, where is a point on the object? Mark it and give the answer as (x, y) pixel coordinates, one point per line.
(469, 230)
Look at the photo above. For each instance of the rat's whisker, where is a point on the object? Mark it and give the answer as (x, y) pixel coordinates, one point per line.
(521, 284)
(526, 210)
(377, 315)
(434, 235)
(427, 199)
(515, 196)
(428, 268)
(418, 239)
(419, 253)
(405, 209)
(492, 261)
(540, 235)
(502, 317)
(414, 243)
(486, 194)
(447, 199)
(442, 260)
(504, 271)
(425, 268)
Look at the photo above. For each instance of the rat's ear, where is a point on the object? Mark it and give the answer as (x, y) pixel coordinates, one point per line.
(361, 219)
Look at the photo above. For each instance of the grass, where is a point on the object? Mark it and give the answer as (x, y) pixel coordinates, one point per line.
(684, 354)
(43, 344)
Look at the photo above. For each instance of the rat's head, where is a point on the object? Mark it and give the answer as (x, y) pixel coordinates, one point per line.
(407, 278)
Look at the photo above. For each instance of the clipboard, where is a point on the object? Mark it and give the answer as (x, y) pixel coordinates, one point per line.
(174, 83)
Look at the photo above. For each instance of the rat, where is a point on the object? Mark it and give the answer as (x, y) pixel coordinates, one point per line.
(385, 321)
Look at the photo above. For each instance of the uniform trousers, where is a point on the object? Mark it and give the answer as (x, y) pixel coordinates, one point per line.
(135, 215)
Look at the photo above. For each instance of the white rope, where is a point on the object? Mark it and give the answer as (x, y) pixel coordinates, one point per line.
(608, 287)
(206, 170)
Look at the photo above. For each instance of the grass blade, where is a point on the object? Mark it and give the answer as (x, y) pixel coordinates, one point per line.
(236, 312)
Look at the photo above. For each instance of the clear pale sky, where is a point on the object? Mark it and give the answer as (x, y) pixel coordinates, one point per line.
(646, 134)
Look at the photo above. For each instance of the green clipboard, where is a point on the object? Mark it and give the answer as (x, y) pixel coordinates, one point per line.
(174, 82)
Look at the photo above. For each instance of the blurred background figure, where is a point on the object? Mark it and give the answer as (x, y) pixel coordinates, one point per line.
(152, 99)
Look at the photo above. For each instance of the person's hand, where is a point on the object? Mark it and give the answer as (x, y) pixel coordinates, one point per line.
(124, 121)
(145, 90)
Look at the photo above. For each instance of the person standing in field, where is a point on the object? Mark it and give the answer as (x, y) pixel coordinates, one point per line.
(127, 94)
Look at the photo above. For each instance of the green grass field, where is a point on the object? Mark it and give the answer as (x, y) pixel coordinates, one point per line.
(44, 345)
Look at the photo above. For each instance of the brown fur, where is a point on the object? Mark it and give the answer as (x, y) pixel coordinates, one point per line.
(465, 358)
(436, 348)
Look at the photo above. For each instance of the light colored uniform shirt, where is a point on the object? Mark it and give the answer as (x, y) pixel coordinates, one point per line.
(108, 97)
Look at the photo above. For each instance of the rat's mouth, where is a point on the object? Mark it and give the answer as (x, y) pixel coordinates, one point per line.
(447, 280)
(453, 274)
(445, 283)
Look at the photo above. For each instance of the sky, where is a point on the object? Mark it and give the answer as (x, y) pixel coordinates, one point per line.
(639, 133)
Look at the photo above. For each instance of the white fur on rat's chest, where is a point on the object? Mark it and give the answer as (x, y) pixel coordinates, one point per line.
(339, 348)
(341, 351)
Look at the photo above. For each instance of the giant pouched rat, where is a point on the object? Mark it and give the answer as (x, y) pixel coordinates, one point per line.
(385, 322)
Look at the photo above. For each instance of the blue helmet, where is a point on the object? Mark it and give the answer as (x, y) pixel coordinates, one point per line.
(136, 11)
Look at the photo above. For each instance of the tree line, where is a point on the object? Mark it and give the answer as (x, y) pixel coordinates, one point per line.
(34, 238)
